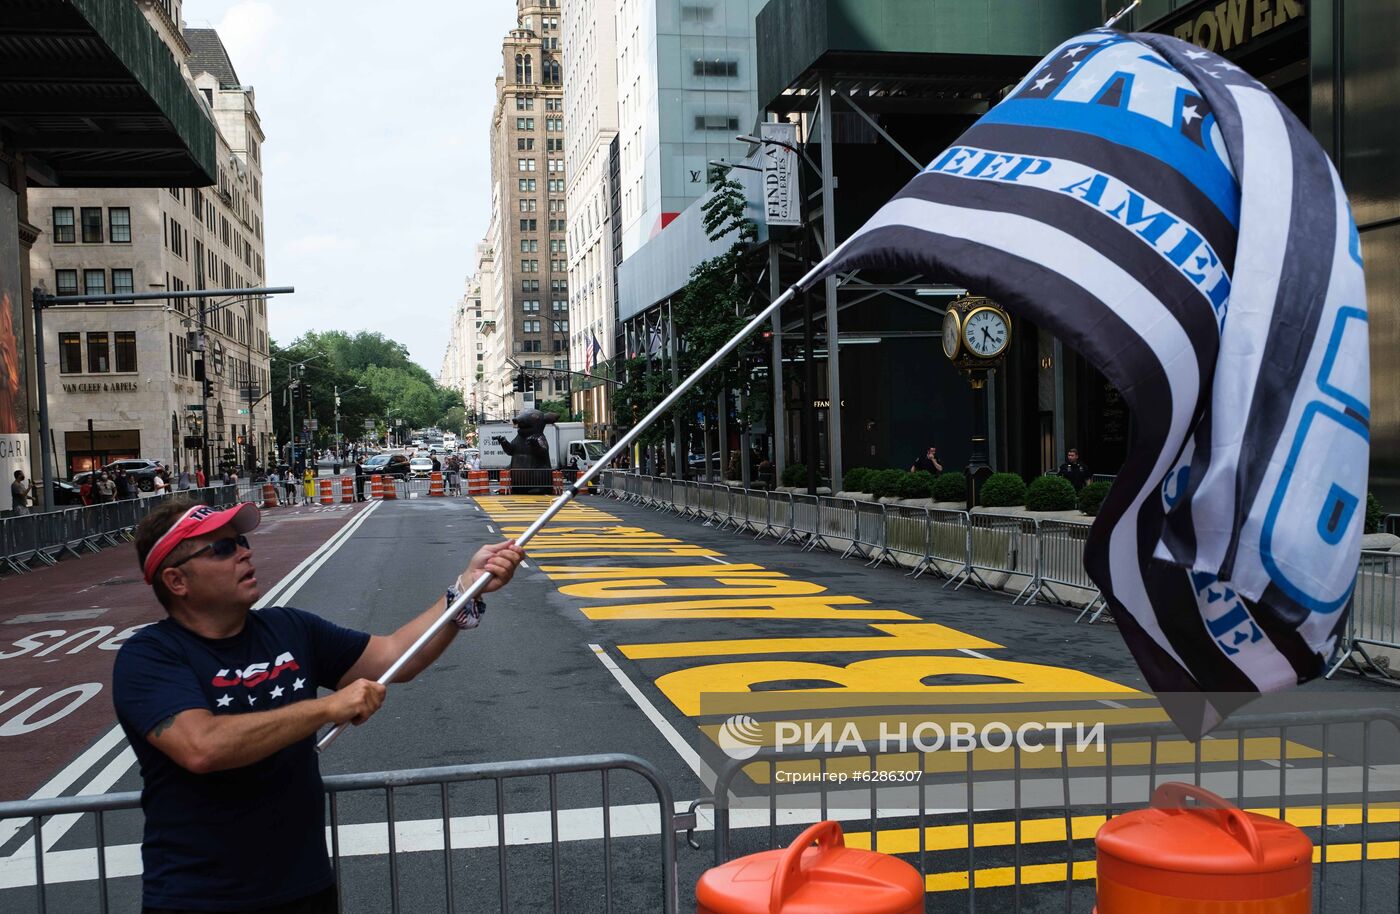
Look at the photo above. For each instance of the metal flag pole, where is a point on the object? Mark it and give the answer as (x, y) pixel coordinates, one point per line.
(1121, 13)
(581, 483)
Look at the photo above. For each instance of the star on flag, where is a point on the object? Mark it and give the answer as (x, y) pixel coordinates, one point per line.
(296, 686)
(277, 692)
(224, 702)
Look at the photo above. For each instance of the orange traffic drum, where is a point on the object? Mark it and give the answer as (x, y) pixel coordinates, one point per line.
(1209, 856)
(829, 878)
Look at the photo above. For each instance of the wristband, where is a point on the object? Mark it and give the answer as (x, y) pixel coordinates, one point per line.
(470, 615)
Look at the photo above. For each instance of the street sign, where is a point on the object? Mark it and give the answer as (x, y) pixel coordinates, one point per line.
(314, 424)
(242, 411)
(218, 351)
(195, 407)
(369, 423)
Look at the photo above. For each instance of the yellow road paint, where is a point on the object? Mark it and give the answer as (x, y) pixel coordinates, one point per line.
(1169, 752)
(1083, 870)
(922, 636)
(623, 552)
(825, 607)
(591, 573)
(656, 587)
(987, 835)
(905, 675)
(870, 727)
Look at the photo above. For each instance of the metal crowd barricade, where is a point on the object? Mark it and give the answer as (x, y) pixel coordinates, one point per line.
(906, 534)
(805, 522)
(733, 506)
(1001, 544)
(1061, 563)
(466, 848)
(836, 522)
(1375, 618)
(949, 544)
(1009, 826)
(779, 521)
(756, 514)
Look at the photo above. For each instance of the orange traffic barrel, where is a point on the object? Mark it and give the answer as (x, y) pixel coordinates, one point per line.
(390, 491)
(503, 484)
(327, 494)
(1209, 856)
(557, 478)
(347, 490)
(801, 879)
(435, 486)
(376, 486)
(478, 482)
(269, 495)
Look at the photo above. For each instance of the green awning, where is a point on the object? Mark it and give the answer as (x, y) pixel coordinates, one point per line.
(93, 98)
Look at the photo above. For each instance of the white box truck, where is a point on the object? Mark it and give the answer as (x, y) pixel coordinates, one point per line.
(568, 448)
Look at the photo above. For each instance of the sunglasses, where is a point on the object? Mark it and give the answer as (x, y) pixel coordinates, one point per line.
(219, 549)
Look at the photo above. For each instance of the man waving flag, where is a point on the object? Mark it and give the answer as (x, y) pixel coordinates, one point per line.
(1161, 212)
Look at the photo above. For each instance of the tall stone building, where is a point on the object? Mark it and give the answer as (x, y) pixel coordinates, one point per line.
(527, 166)
(122, 377)
(590, 126)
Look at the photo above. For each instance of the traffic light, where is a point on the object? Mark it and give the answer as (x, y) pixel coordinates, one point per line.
(208, 388)
(522, 383)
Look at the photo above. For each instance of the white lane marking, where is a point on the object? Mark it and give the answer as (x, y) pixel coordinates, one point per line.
(286, 588)
(971, 653)
(67, 777)
(490, 529)
(58, 826)
(524, 564)
(716, 559)
(683, 748)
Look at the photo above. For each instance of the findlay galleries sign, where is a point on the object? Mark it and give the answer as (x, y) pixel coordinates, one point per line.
(14, 401)
(781, 187)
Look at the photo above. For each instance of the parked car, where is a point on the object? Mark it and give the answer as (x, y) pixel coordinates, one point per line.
(420, 467)
(387, 465)
(66, 493)
(141, 470)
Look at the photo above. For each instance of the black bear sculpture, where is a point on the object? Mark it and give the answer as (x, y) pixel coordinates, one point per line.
(530, 465)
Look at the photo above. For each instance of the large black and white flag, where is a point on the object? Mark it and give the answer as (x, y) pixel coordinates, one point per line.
(1161, 212)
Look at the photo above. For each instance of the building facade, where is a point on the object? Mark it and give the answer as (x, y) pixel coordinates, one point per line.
(686, 86)
(124, 379)
(590, 126)
(529, 240)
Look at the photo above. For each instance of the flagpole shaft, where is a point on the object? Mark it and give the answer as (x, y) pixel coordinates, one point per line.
(581, 483)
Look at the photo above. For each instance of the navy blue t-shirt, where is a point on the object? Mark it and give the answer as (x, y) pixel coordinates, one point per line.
(247, 837)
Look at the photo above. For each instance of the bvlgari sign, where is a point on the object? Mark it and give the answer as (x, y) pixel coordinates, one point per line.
(1232, 24)
(96, 387)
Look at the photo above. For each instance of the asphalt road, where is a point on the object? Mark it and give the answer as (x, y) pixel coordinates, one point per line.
(634, 632)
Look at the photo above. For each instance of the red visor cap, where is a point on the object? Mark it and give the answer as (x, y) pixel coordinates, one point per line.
(197, 521)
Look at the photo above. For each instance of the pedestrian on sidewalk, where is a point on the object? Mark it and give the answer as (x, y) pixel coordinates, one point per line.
(199, 477)
(308, 487)
(289, 482)
(219, 703)
(276, 482)
(21, 493)
(106, 488)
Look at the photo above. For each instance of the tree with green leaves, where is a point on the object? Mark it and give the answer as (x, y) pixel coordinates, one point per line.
(713, 307)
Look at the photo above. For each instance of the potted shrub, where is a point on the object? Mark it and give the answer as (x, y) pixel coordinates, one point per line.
(950, 487)
(1003, 490)
(1050, 493)
(915, 485)
(857, 479)
(1091, 497)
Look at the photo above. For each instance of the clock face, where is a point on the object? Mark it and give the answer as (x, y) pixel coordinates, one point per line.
(951, 334)
(985, 332)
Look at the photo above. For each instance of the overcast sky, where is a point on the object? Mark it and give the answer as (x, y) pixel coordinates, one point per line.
(376, 165)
